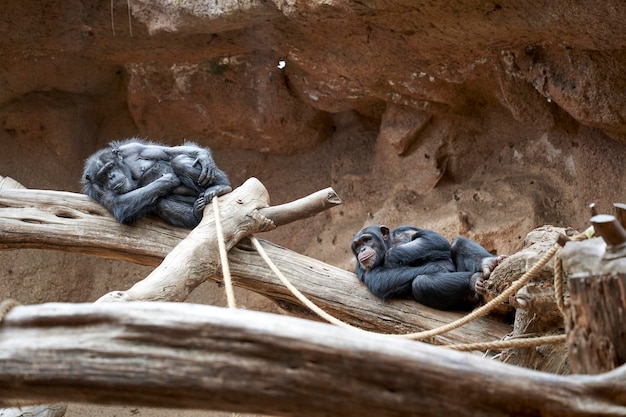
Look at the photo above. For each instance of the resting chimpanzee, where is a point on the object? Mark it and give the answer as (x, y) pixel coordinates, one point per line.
(193, 165)
(134, 178)
(420, 263)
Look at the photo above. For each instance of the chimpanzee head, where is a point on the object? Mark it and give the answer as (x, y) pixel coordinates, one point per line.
(369, 246)
(105, 171)
(404, 234)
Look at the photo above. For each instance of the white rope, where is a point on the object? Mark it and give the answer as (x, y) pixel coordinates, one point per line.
(228, 282)
(296, 292)
(440, 330)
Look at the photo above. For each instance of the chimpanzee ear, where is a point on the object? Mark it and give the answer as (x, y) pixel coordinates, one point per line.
(384, 231)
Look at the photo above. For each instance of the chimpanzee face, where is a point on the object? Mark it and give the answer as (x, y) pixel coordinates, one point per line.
(116, 177)
(369, 246)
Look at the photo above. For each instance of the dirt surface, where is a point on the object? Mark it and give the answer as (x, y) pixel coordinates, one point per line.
(481, 119)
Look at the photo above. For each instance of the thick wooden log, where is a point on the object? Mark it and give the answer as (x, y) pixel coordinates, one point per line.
(534, 305)
(596, 337)
(597, 307)
(59, 216)
(71, 222)
(203, 357)
(53, 410)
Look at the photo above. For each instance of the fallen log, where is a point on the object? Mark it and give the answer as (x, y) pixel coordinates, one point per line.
(72, 222)
(203, 357)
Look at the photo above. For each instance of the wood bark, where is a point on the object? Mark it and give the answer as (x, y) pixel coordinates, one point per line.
(72, 222)
(189, 356)
(598, 312)
(204, 357)
(597, 307)
(534, 305)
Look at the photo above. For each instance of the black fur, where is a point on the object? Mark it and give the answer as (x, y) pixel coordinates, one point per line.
(420, 263)
(134, 178)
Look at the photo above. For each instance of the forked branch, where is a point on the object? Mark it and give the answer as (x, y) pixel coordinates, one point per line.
(71, 222)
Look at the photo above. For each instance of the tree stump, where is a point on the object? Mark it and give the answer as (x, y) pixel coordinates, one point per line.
(596, 335)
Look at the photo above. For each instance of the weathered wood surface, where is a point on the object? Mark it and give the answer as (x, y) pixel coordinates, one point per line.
(53, 410)
(204, 357)
(196, 257)
(597, 313)
(71, 222)
(25, 213)
(534, 305)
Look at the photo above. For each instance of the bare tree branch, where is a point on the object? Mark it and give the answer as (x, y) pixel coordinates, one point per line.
(72, 222)
(192, 356)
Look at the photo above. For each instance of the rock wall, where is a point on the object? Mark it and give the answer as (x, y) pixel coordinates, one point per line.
(478, 118)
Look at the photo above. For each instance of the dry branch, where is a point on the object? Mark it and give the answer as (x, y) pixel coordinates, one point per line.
(192, 356)
(72, 222)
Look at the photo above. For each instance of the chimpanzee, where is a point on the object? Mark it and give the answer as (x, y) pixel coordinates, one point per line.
(420, 263)
(134, 178)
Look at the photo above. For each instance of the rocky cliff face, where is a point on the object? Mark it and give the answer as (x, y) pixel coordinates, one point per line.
(480, 118)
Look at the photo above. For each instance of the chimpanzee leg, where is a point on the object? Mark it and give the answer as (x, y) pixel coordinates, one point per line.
(178, 211)
(469, 256)
(445, 291)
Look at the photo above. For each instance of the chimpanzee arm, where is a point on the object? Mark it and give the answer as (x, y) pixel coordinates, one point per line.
(427, 246)
(130, 206)
(152, 151)
(202, 156)
(139, 149)
(396, 282)
(445, 291)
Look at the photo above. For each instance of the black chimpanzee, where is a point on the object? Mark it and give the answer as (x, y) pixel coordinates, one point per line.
(134, 178)
(420, 263)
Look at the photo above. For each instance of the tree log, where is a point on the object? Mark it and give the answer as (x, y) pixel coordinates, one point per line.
(534, 305)
(597, 307)
(204, 357)
(72, 222)
(26, 213)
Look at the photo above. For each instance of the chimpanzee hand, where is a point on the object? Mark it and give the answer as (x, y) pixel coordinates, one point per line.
(169, 180)
(200, 204)
(207, 168)
(203, 200)
(206, 197)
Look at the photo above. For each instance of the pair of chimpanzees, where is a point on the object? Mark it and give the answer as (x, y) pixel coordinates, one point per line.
(419, 263)
(133, 178)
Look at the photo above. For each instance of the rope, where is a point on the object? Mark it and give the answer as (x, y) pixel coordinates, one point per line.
(5, 307)
(515, 286)
(297, 293)
(482, 311)
(510, 343)
(228, 282)
(559, 283)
